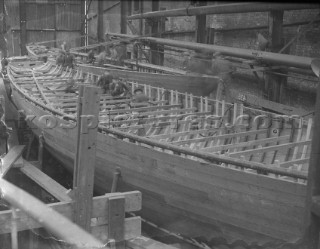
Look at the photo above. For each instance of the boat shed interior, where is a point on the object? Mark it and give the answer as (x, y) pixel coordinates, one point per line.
(159, 124)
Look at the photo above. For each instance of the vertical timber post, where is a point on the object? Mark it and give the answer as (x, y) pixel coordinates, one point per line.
(123, 16)
(83, 22)
(312, 222)
(3, 30)
(40, 150)
(157, 55)
(100, 34)
(116, 216)
(23, 26)
(84, 163)
(201, 25)
(155, 6)
(275, 83)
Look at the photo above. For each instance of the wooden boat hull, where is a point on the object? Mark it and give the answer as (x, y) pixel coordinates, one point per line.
(198, 85)
(199, 198)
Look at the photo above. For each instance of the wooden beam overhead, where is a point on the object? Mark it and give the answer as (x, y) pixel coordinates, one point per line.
(225, 9)
(272, 58)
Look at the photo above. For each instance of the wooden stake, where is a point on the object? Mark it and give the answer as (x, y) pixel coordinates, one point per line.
(116, 215)
(88, 110)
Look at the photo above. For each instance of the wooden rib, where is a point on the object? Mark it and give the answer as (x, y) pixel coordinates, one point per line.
(295, 151)
(304, 150)
(40, 90)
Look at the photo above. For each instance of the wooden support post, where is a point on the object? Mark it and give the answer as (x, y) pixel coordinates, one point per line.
(31, 139)
(83, 22)
(100, 32)
(201, 25)
(312, 224)
(88, 111)
(40, 150)
(140, 21)
(115, 180)
(23, 26)
(123, 16)
(275, 83)
(14, 232)
(157, 27)
(3, 30)
(116, 215)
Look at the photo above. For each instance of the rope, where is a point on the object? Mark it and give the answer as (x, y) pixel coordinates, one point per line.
(188, 240)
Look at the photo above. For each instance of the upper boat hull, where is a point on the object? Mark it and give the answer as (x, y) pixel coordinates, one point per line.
(213, 200)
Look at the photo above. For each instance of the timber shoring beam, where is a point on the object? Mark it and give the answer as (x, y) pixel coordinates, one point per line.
(88, 110)
(266, 57)
(224, 9)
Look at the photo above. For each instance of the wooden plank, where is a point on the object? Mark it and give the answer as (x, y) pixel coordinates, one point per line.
(164, 118)
(47, 183)
(10, 158)
(245, 144)
(296, 161)
(143, 243)
(116, 216)
(224, 136)
(84, 163)
(270, 105)
(132, 227)
(100, 209)
(162, 112)
(270, 148)
(149, 108)
(197, 85)
(182, 133)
